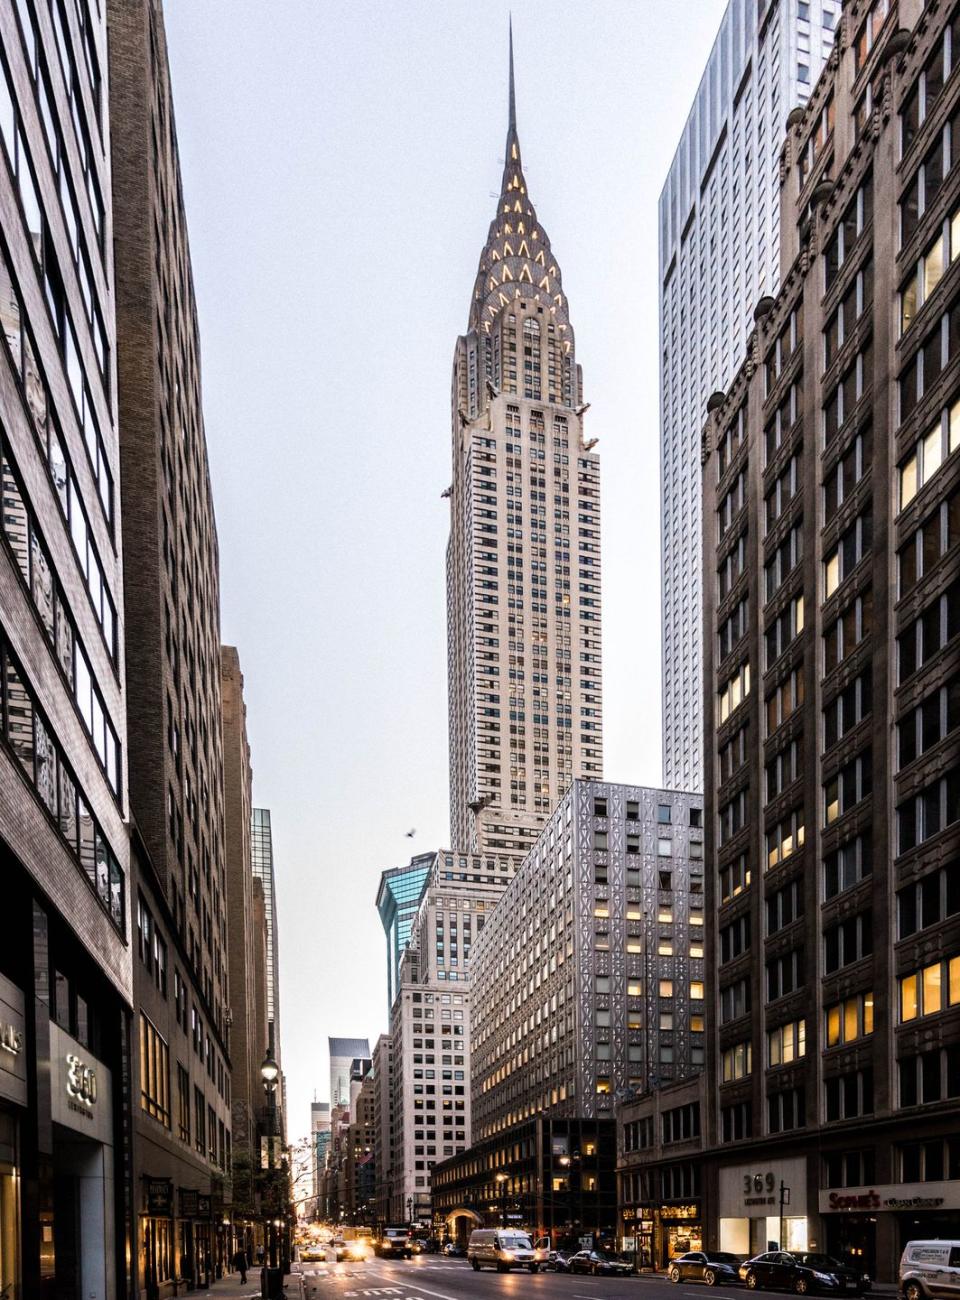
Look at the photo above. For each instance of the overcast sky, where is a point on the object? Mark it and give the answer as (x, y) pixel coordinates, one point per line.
(340, 167)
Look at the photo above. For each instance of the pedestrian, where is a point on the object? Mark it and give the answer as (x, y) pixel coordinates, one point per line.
(260, 1256)
(240, 1264)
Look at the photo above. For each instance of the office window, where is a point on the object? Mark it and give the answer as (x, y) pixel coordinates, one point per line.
(154, 1073)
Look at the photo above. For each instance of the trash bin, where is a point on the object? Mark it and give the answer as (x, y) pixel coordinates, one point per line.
(271, 1283)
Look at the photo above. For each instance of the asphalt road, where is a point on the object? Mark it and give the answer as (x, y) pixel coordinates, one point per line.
(428, 1278)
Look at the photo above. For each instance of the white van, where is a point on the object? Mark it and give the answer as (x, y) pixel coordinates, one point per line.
(929, 1269)
(501, 1248)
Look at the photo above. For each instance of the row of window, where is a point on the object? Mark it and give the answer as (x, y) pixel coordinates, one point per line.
(19, 529)
(924, 1079)
(51, 278)
(23, 357)
(930, 268)
(43, 763)
(929, 453)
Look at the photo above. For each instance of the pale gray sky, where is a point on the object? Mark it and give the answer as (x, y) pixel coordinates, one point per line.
(340, 165)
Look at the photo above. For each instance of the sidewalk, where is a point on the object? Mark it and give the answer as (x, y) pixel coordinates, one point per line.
(231, 1288)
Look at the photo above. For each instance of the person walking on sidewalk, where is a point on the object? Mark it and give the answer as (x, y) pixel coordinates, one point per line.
(240, 1263)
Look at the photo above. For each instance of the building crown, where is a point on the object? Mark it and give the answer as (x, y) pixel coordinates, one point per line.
(517, 262)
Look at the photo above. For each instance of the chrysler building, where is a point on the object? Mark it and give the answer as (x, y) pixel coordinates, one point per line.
(523, 559)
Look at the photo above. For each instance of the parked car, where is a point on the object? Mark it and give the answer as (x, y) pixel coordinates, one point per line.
(711, 1266)
(930, 1268)
(560, 1261)
(829, 1263)
(502, 1249)
(598, 1262)
(801, 1273)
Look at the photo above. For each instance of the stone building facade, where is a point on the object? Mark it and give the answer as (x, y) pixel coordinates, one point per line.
(182, 1108)
(831, 611)
(430, 1036)
(587, 985)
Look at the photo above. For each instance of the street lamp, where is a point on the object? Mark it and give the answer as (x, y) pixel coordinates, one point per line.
(269, 1074)
(501, 1181)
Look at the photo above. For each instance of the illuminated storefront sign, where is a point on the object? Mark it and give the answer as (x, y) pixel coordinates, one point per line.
(893, 1196)
(13, 1056)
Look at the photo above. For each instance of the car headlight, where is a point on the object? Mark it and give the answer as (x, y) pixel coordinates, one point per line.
(507, 1254)
(824, 1277)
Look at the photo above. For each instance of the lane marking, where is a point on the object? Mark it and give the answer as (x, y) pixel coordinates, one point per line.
(415, 1286)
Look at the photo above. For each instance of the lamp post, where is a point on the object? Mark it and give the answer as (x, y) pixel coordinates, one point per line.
(269, 1074)
(784, 1201)
(501, 1181)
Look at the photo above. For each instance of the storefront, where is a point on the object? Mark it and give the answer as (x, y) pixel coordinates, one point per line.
(872, 1225)
(680, 1230)
(656, 1233)
(83, 1168)
(763, 1205)
(195, 1237)
(13, 1097)
(158, 1261)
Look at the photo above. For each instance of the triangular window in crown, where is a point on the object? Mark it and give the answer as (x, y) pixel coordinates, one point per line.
(507, 250)
(506, 273)
(544, 283)
(539, 257)
(525, 275)
(524, 251)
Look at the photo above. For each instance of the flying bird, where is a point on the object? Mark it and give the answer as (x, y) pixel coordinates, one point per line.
(410, 834)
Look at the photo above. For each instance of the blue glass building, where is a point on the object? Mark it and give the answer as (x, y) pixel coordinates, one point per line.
(399, 895)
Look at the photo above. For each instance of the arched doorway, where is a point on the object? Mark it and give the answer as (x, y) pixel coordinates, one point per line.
(460, 1223)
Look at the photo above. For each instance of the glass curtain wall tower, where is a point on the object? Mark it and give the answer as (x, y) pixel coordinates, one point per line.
(719, 251)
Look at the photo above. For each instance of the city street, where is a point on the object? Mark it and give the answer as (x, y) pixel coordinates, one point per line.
(442, 1279)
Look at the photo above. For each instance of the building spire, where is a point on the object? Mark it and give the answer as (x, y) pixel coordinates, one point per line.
(512, 123)
(512, 162)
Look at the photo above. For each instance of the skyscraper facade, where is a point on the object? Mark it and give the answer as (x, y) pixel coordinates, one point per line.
(248, 1038)
(832, 648)
(66, 982)
(719, 251)
(398, 899)
(430, 1030)
(523, 558)
(263, 869)
(588, 977)
(180, 1055)
(343, 1052)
